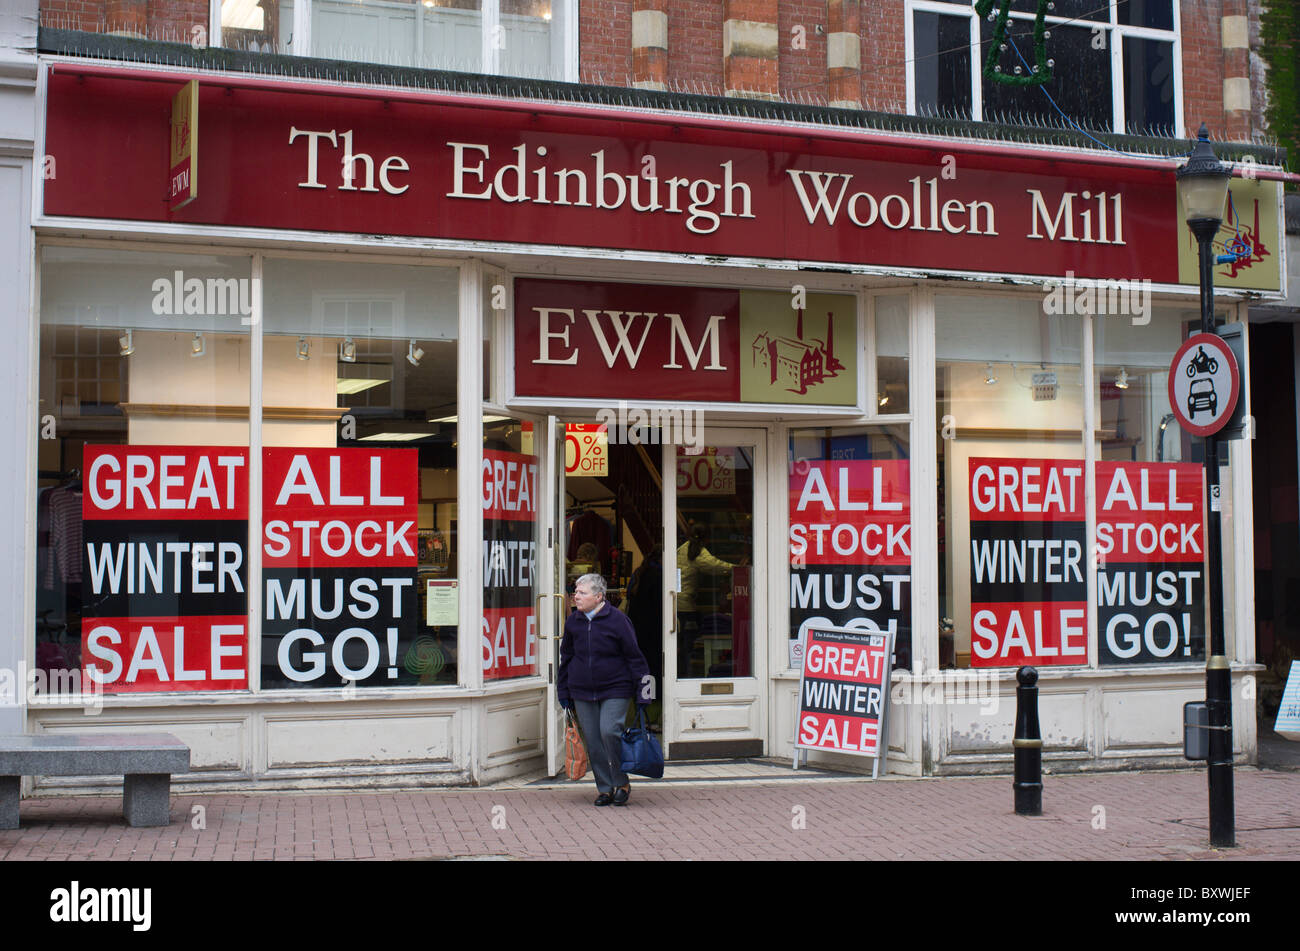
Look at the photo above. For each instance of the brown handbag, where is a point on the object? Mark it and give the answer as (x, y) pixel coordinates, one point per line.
(575, 751)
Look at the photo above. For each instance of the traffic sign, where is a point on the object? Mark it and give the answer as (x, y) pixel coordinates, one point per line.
(1204, 384)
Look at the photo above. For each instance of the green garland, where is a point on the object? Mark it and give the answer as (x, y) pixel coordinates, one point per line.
(1038, 74)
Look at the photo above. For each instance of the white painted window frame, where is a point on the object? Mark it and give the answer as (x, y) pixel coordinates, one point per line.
(1115, 31)
(564, 35)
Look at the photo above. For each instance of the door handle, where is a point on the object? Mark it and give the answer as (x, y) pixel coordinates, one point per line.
(538, 610)
(673, 629)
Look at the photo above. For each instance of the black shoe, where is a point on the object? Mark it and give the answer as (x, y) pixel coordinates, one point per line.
(621, 795)
(604, 799)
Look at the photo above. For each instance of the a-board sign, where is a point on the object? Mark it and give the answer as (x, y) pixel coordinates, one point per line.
(1288, 713)
(1204, 384)
(843, 690)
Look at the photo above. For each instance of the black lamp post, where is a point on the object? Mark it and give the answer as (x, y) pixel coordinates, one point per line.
(1202, 191)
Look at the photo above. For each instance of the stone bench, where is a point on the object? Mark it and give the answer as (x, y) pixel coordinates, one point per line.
(145, 760)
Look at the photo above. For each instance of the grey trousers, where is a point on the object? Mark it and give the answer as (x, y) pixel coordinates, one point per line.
(602, 728)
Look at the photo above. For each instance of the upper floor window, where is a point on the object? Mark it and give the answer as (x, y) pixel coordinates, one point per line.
(529, 38)
(1115, 67)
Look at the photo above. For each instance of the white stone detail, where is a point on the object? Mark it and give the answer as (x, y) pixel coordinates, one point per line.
(1236, 94)
(843, 51)
(649, 29)
(1235, 33)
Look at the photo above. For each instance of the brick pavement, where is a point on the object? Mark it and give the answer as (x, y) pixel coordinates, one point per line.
(1104, 816)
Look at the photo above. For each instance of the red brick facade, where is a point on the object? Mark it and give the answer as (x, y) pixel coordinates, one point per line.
(694, 60)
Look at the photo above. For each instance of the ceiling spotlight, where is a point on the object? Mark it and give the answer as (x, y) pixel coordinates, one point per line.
(989, 378)
(884, 399)
(126, 344)
(413, 354)
(197, 346)
(304, 348)
(348, 350)
(1121, 381)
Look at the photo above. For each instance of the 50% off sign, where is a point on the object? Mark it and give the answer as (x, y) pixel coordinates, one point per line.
(586, 450)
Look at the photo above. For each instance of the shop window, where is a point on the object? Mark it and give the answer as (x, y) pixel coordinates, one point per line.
(1150, 510)
(510, 509)
(1085, 74)
(850, 532)
(359, 409)
(1012, 562)
(507, 37)
(142, 499)
(891, 322)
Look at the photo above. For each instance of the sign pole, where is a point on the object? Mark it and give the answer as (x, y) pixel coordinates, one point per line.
(1218, 674)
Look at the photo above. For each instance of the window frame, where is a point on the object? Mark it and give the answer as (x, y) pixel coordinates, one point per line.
(564, 35)
(1117, 34)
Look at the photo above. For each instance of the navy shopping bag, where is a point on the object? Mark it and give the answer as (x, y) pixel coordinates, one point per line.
(642, 755)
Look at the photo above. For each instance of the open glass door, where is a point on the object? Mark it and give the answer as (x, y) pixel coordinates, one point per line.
(717, 666)
(552, 603)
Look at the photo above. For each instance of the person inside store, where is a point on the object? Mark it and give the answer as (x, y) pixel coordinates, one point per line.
(601, 669)
(696, 565)
(645, 610)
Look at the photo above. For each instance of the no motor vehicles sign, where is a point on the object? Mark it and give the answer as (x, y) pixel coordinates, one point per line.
(1203, 384)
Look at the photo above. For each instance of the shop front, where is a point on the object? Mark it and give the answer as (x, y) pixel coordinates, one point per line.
(328, 428)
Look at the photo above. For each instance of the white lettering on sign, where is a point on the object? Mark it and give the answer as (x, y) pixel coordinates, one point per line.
(150, 655)
(1024, 488)
(844, 539)
(705, 202)
(816, 490)
(622, 324)
(820, 198)
(350, 159)
(1067, 217)
(109, 489)
(994, 639)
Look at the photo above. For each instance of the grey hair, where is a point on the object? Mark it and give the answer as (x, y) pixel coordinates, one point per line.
(596, 583)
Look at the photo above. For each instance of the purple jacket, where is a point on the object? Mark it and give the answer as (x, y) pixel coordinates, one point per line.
(600, 659)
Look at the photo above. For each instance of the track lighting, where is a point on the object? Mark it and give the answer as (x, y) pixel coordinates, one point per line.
(989, 378)
(348, 350)
(304, 349)
(198, 346)
(413, 354)
(126, 344)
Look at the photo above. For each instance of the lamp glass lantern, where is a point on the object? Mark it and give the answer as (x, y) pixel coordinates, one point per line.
(1203, 183)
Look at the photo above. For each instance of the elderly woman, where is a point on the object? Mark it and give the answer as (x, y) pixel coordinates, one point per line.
(601, 669)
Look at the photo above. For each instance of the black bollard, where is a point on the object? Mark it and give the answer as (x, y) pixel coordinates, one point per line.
(1028, 745)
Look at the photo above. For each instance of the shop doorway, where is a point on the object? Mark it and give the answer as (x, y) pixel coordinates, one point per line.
(715, 529)
(677, 532)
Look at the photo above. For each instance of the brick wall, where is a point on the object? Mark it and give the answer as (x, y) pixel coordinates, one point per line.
(884, 56)
(1202, 66)
(695, 61)
(695, 47)
(802, 23)
(605, 41)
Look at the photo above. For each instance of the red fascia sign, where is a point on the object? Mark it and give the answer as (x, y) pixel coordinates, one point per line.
(327, 159)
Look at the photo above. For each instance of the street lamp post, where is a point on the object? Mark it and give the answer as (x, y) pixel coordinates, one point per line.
(1202, 191)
